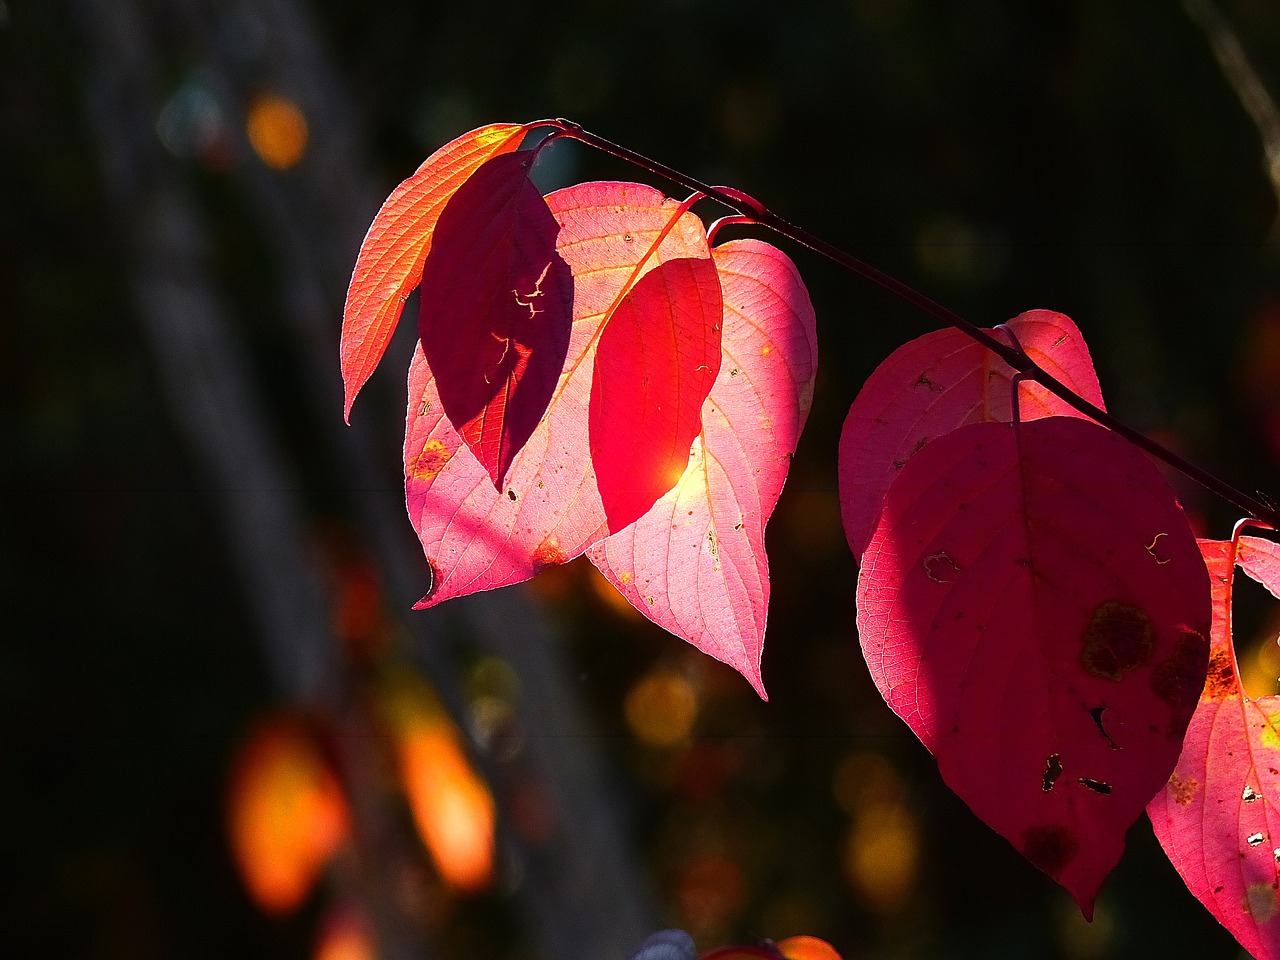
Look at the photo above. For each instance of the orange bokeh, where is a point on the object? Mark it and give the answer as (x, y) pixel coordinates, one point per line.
(286, 813)
(277, 131)
(807, 948)
(452, 808)
(345, 936)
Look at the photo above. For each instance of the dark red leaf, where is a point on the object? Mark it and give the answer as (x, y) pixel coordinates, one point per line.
(497, 304)
(1034, 605)
(656, 361)
(391, 256)
(941, 381)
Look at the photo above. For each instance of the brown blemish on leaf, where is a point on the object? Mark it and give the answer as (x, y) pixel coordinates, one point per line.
(1220, 680)
(430, 461)
(1260, 901)
(1184, 791)
(1179, 680)
(1117, 639)
(548, 554)
(1050, 847)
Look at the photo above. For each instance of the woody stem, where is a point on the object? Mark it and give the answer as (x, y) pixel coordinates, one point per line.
(1017, 359)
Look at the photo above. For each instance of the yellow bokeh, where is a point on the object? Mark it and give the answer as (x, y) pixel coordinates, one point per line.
(661, 708)
(881, 856)
(451, 806)
(277, 131)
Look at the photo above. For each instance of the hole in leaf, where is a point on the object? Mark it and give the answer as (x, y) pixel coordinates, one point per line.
(1097, 786)
(1249, 794)
(1096, 713)
(1052, 771)
(1254, 839)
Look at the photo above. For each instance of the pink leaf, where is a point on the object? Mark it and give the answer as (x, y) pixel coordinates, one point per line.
(1218, 818)
(391, 256)
(655, 363)
(497, 304)
(695, 563)
(474, 537)
(1033, 604)
(941, 381)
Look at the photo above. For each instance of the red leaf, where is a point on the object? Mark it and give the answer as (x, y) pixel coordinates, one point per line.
(1218, 818)
(655, 363)
(695, 563)
(475, 537)
(941, 381)
(1033, 604)
(497, 304)
(391, 257)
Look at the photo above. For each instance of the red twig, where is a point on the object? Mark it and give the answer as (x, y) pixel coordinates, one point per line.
(756, 212)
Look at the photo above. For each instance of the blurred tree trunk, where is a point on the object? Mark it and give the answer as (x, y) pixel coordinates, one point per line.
(580, 893)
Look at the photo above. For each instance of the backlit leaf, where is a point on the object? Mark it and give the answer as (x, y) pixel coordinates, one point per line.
(496, 307)
(1033, 604)
(1218, 817)
(695, 563)
(475, 537)
(655, 363)
(807, 948)
(391, 257)
(941, 381)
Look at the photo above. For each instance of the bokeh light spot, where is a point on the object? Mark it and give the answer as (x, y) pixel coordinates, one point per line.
(277, 131)
(661, 708)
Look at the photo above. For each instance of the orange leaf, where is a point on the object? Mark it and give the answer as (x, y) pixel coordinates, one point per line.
(389, 265)
(807, 948)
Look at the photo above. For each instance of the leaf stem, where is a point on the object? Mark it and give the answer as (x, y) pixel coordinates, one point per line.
(758, 213)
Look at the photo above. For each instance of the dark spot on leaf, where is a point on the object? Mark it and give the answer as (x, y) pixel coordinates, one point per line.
(1097, 786)
(1179, 679)
(1220, 678)
(1050, 847)
(1052, 771)
(924, 381)
(1117, 639)
(511, 495)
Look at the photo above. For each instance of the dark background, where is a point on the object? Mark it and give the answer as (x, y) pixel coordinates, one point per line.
(186, 515)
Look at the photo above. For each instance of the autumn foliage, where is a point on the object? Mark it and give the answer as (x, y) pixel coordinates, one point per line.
(597, 374)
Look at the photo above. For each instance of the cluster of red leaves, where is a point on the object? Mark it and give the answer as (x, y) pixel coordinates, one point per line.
(1031, 599)
(593, 376)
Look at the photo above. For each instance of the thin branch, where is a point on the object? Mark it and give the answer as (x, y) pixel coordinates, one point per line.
(755, 211)
(1244, 80)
